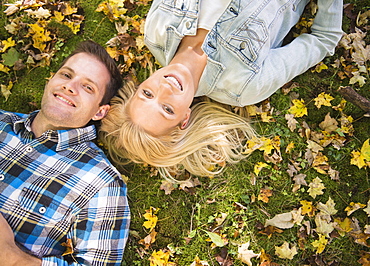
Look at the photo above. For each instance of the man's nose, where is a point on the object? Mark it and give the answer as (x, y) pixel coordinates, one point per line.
(70, 87)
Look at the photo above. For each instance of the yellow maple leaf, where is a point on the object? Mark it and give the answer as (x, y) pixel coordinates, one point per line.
(320, 163)
(4, 68)
(290, 147)
(258, 167)
(75, 27)
(323, 99)
(307, 208)
(284, 252)
(365, 150)
(198, 262)
(159, 258)
(69, 10)
(319, 67)
(5, 90)
(7, 44)
(320, 244)
(267, 145)
(58, 16)
(298, 109)
(343, 225)
(358, 159)
(316, 187)
(354, 207)
(151, 218)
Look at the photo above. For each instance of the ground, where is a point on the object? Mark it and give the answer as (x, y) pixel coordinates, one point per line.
(309, 167)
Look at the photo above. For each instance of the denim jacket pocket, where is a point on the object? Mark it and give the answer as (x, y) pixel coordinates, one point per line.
(249, 38)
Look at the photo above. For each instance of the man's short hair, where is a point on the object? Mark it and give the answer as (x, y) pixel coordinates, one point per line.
(98, 51)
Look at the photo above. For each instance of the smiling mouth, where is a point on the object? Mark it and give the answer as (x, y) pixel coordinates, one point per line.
(174, 81)
(64, 100)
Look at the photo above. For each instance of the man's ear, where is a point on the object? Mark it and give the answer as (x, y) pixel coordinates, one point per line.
(102, 112)
(185, 122)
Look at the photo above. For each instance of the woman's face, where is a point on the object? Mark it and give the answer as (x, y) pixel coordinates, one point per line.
(163, 101)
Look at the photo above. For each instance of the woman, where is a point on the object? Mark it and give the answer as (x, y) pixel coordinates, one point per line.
(229, 51)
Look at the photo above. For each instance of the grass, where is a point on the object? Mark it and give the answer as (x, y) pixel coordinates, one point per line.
(235, 193)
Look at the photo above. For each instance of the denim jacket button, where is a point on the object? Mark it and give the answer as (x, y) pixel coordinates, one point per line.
(2, 177)
(188, 24)
(29, 149)
(243, 45)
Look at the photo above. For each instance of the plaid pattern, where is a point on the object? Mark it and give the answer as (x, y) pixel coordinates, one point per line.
(61, 186)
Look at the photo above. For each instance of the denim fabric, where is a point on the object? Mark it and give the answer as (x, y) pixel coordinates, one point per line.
(246, 62)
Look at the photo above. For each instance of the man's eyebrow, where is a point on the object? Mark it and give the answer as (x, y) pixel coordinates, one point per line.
(72, 70)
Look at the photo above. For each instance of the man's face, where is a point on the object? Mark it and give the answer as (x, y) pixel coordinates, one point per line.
(72, 96)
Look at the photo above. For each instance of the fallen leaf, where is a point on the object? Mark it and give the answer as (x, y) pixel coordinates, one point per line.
(285, 220)
(151, 217)
(198, 262)
(323, 226)
(270, 230)
(285, 252)
(320, 244)
(323, 99)
(328, 209)
(245, 255)
(299, 108)
(308, 208)
(69, 247)
(367, 209)
(316, 187)
(353, 207)
(329, 124)
(148, 240)
(167, 186)
(264, 195)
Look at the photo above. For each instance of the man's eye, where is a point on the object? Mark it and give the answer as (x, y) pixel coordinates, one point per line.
(66, 75)
(147, 94)
(168, 110)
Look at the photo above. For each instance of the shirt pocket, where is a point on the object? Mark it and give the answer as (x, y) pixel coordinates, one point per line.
(42, 207)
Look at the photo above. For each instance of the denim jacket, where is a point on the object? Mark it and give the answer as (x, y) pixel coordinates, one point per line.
(246, 62)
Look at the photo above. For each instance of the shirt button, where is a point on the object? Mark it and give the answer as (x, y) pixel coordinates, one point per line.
(2, 177)
(29, 149)
(188, 24)
(42, 210)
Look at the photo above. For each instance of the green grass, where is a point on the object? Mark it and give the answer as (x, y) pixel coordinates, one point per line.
(200, 208)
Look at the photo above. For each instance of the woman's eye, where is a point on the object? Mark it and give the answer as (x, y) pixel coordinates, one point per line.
(89, 88)
(147, 94)
(168, 110)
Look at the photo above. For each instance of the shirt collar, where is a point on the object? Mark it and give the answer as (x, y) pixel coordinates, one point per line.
(64, 138)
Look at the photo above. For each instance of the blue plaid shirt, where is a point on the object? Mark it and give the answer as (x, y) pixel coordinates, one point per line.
(61, 187)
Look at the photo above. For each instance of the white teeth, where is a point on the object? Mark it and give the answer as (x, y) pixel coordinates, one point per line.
(174, 81)
(64, 100)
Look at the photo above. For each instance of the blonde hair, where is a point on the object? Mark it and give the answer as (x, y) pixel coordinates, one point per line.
(214, 136)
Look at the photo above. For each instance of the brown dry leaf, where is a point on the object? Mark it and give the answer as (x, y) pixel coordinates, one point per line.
(314, 147)
(265, 259)
(270, 230)
(329, 124)
(299, 180)
(149, 239)
(167, 186)
(285, 252)
(264, 195)
(245, 255)
(320, 163)
(365, 258)
(283, 221)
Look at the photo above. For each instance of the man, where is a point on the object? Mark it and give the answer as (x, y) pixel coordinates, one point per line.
(61, 201)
